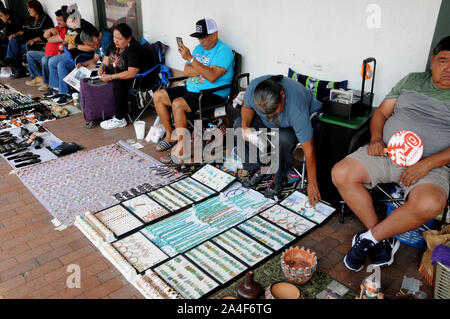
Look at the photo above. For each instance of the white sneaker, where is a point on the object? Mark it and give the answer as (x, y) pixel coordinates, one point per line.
(113, 123)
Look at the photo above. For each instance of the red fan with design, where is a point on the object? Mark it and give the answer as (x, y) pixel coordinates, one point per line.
(405, 148)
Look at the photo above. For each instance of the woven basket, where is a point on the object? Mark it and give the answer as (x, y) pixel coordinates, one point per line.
(298, 264)
(413, 237)
(442, 281)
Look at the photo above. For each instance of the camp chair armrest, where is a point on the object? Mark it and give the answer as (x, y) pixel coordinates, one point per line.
(207, 91)
(178, 78)
(143, 75)
(243, 75)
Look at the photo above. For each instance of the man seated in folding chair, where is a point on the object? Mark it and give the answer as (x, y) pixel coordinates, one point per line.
(209, 66)
(282, 103)
(420, 102)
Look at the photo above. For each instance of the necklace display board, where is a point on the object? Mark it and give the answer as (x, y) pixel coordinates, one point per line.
(245, 248)
(188, 228)
(186, 278)
(170, 198)
(266, 233)
(200, 249)
(216, 261)
(193, 189)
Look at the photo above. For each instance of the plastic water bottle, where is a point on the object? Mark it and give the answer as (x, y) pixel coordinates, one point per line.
(397, 192)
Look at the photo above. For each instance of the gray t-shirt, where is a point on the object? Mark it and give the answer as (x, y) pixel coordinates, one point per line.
(299, 105)
(421, 111)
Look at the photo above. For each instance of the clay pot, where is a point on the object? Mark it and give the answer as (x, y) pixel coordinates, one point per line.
(248, 288)
(283, 290)
(298, 264)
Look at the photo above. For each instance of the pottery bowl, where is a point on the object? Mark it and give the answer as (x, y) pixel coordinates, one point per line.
(298, 264)
(283, 290)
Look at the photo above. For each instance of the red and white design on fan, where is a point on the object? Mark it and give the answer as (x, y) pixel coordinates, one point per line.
(405, 148)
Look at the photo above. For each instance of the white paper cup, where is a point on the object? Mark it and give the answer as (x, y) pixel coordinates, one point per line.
(75, 97)
(139, 127)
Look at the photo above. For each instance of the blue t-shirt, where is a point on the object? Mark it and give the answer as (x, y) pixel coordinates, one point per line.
(299, 105)
(222, 56)
(105, 41)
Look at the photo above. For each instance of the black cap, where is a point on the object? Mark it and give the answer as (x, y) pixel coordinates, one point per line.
(61, 11)
(204, 27)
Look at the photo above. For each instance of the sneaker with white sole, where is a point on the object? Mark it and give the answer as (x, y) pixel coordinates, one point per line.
(383, 253)
(51, 93)
(44, 87)
(37, 81)
(63, 100)
(356, 257)
(113, 123)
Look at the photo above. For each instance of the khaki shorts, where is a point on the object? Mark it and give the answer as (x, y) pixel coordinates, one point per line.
(382, 169)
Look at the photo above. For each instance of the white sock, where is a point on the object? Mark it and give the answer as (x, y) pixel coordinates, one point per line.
(368, 235)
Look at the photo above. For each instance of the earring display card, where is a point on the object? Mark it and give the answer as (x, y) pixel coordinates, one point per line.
(153, 287)
(298, 202)
(266, 233)
(139, 251)
(192, 189)
(186, 278)
(213, 177)
(118, 220)
(242, 246)
(170, 198)
(288, 220)
(145, 208)
(216, 262)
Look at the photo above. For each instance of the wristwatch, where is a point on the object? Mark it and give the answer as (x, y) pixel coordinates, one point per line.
(191, 60)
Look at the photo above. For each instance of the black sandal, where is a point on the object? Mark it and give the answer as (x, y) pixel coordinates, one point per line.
(165, 145)
(172, 159)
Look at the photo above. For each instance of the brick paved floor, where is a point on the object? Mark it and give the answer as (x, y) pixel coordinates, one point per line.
(34, 257)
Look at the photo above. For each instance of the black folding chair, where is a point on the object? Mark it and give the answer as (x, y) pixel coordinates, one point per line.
(146, 83)
(207, 112)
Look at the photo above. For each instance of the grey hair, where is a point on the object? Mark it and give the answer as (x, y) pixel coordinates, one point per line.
(73, 13)
(84, 37)
(267, 94)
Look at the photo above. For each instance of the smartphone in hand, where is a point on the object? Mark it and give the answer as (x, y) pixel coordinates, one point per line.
(179, 41)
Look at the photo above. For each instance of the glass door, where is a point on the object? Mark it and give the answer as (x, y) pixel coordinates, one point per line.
(113, 12)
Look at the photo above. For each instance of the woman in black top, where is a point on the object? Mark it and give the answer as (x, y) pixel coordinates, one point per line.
(8, 25)
(32, 31)
(123, 60)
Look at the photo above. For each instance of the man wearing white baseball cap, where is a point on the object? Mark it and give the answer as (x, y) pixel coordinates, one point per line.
(210, 65)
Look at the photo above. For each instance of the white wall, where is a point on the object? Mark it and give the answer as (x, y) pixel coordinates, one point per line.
(327, 39)
(84, 6)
